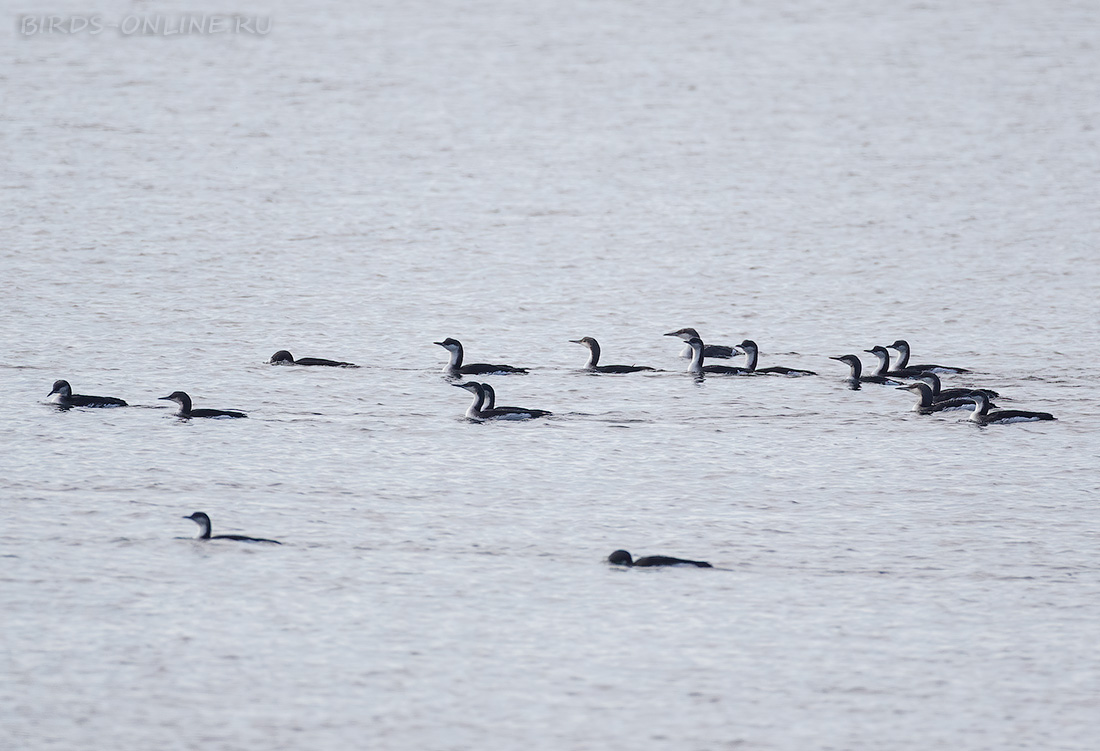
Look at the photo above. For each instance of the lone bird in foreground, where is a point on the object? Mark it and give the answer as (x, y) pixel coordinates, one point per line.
(200, 518)
(622, 558)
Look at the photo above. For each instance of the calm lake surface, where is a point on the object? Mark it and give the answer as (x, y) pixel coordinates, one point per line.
(367, 179)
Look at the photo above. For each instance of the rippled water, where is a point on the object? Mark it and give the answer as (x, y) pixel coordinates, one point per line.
(366, 180)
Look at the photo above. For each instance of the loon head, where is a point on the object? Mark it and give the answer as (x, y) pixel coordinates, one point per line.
(62, 388)
(281, 356)
(180, 398)
(931, 379)
(587, 341)
(685, 334)
(748, 345)
(620, 558)
(451, 345)
(200, 518)
(471, 386)
(900, 345)
(878, 350)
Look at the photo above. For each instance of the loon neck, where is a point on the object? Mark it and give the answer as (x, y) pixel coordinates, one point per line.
(474, 412)
(925, 392)
(696, 355)
(490, 400)
(456, 358)
(593, 355)
(883, 360)
(752, 352)
(903, 354)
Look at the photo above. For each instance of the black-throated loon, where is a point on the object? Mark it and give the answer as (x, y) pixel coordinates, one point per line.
(753, 353)
(456, 368)
(491, 402)
(622, 558)
(902, 347)
(926, 406)
(62, 395)
(940, 394)
(475, 412)
(698, 368)
(593, 364)
(714, 351)
(983, 416)
(884, 368)
(203, 521)
(282, 357)
(186, 412)
(856, 377)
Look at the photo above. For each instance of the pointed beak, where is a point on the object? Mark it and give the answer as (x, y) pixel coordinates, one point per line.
(439, 343)
(576, 341)
(672, 333)
(869, 350)
(831, 357)
(168, 398)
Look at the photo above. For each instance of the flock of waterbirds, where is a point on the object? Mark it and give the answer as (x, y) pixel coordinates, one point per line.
(924, 383)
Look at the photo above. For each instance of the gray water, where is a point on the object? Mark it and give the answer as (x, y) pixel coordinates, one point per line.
(370, 178)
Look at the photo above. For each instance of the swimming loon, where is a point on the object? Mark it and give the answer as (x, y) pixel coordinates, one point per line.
(622, 558)
(63, 396)
(186, 412)
(753, 352)
(855, 377)
(203, 521)
(456, 368)
(491, 402)
(925, 404)
(940, 394)
(902, 347)
(715, 351)
(475, 412)
(884, 368)
(282, 357)
(593, 365)
(698, 368)
(983, 416)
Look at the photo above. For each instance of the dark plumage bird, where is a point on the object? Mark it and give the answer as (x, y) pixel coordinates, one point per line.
(593, 364)
(477, 410)
(622, 558)
(282, 357)
(884, 368)
(983, 416)
(902, 363)
(203, 521)
(491, 402)
(456, 368)
(698, 368)
(940, 394)
(925, 404)
(856, 377)
(186, 412)
(714, 351)
(62, 395)
(753, 353)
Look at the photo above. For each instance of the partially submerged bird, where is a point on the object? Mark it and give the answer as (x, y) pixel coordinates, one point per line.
(715, 351)
(200, 518)
(622, 558)
(282, 357)
(902, 363)
(477, 410)
(593, 365)
(856, 377)
(925, 404)
(698, 368)
(456, 368)
(753, 353)
(983, 416)
(884, 368)
(62, 395)
(182, 399)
